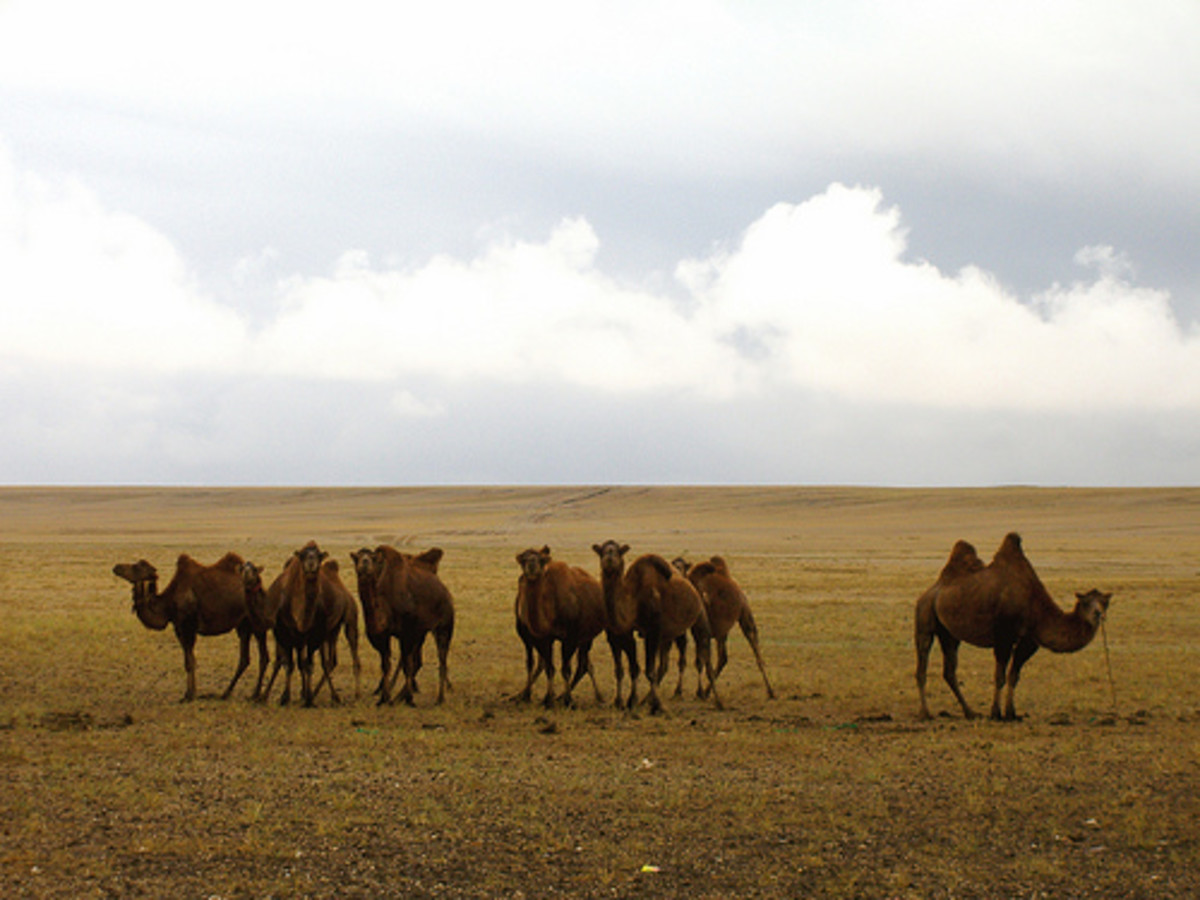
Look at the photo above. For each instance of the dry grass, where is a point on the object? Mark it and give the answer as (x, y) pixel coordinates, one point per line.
(113, 788)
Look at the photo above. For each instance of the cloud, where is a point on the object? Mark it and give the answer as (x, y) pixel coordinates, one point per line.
(818, 296)
(787, 81)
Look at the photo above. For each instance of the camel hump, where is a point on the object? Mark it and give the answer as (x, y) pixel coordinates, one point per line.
(1010, 548)
(963, 560)
(331, 566)
(719, 565)
(660, 565)
(702, 570)
(431, 557)
(230, 562)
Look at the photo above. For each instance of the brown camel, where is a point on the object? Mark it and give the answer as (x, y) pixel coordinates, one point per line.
(653, 598)
(726, 604)
(558, 602)
(1002, 605)
(314, 608)
(409, 601)
(199, 600)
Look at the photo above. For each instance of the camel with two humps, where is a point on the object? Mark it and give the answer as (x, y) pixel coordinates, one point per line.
(726, 605)
(1004, 606)
(408, 600)
(651, 597)
(314, 608)
(199, 600)
(558, 602)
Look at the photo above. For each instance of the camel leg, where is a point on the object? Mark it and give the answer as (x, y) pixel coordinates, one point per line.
(384, 648)
(655, 651)
(442, 637)
(704, 649)
(570, 649)
(307, 694)
(264, 657)
(356, 663)
(1025, 649)
(546, 651)
(624, 647)
(586, 667)
(949, 646)
(289, 664)
(681, 646)
(187, 640)
(328, 651)
(243, 659)
(924, 628)
(1003, 652)
(750, 630)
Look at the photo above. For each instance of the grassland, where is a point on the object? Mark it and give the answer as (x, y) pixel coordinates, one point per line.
(110, 787)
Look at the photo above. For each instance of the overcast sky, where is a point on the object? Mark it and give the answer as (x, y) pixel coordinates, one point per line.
(823, 242)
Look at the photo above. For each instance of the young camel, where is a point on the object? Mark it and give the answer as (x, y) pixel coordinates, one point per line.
(199, 600)
(1002, 605)
(658, 602)
(556, 601)
(726, 605)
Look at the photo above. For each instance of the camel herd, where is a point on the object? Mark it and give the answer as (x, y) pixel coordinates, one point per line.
(1002, 605)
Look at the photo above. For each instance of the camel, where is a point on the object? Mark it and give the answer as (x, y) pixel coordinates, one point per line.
(199, 600)
(726, 604)
(409, 601)
(556, 601)
(653, 598)
(263, 608)
(1002, 605)
(314, 608)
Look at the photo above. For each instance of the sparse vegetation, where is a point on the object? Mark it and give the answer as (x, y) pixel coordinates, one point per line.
(113, 788)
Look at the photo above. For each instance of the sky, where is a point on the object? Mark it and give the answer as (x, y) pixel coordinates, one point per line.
(920, 243)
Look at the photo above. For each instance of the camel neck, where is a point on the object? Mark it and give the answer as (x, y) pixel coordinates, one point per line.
(1063, 632)
(155, 611)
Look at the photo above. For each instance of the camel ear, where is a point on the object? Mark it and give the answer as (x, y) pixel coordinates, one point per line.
(624, 549)
(545, 551)
(596, 548)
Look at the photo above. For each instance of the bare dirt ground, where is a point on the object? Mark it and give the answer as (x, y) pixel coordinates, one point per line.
(110, 787)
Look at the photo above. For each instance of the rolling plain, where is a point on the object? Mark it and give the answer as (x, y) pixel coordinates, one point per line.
(109, 787)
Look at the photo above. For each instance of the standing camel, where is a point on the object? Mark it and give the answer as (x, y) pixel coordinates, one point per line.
(315, 607)
(726, 604)
(1002, 605)
(556, 601)
(653, 598)
(410, 601)
(199, 600)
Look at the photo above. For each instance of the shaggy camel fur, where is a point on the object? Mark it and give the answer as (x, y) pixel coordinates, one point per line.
(199, 600)
(409, 601)
(726, 605)
(558, 602)
(314, 608)
(1002, 605)
(653, 598)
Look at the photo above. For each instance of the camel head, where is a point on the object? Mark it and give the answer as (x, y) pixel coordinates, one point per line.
(1092, 607)
(251, 577)
(311, 556)
(144, 578)
(682, 565)
(533, 562)
(612, 557)
(366, 567)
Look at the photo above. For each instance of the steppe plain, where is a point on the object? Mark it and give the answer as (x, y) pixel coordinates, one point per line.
(111, 787)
